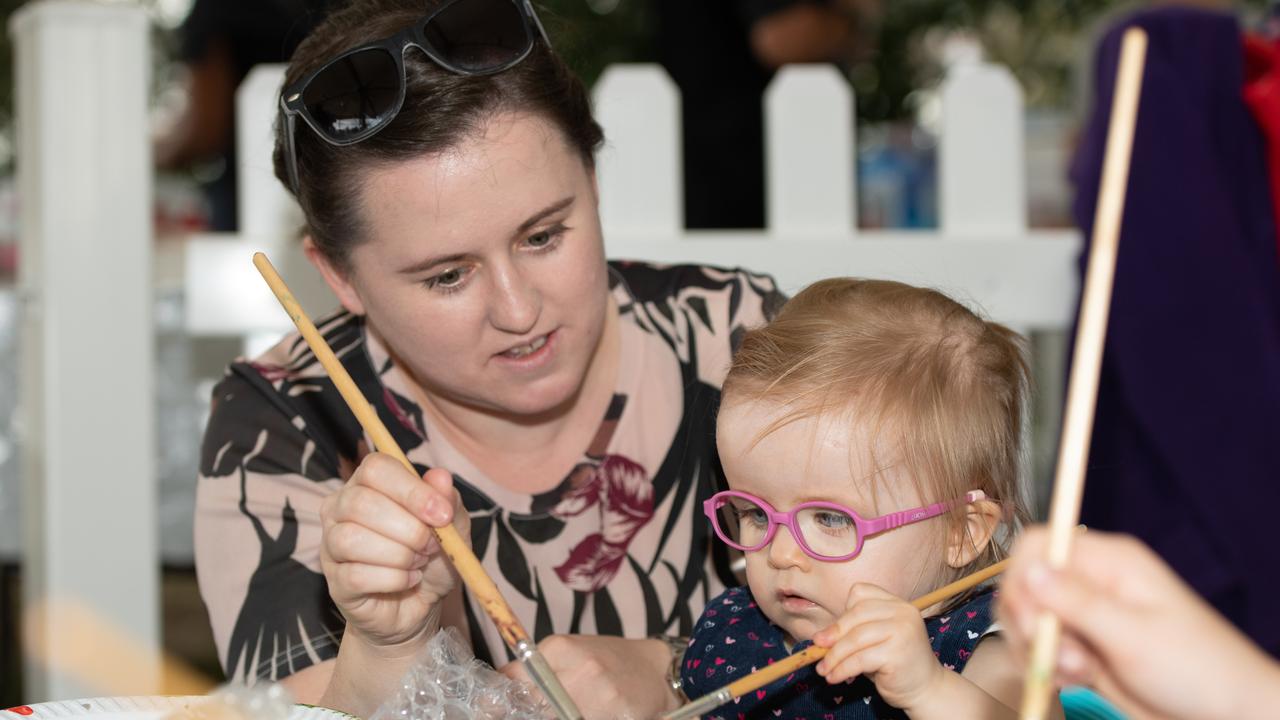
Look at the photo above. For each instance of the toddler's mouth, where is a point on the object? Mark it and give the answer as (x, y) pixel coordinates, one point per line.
(795, 602)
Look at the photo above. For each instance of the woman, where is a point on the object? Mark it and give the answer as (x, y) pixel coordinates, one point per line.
(565, 405)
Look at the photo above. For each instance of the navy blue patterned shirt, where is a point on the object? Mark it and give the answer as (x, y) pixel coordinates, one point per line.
(733, 638)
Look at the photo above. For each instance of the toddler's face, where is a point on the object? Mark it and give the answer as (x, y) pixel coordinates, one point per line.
(822, 459)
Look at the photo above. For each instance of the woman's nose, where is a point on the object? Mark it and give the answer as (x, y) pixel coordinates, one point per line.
(784, 551)
(515, 304)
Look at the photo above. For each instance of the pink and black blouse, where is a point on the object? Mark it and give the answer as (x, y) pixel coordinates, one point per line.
(618, 548)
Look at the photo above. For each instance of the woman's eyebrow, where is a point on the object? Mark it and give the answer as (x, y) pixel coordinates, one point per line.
(428, 263)
(539, 216)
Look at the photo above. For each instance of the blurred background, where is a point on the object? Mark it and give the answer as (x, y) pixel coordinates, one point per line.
(894, 58)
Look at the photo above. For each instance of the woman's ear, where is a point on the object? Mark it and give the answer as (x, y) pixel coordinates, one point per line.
(967, 541)
(336, 278)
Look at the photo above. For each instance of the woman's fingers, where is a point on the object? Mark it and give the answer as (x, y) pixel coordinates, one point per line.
(370, 508)
(359, 579)
(350, 542)
(431, 501)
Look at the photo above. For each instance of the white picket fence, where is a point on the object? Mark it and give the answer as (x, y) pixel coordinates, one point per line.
(86, 275)
(983, 253)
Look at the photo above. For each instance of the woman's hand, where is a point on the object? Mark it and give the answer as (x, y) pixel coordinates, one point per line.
(881, 636)
(383, 563)
(608, 677)
(1135, 632)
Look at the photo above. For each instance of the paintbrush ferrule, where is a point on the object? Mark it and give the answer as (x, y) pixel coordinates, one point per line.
(540, 671)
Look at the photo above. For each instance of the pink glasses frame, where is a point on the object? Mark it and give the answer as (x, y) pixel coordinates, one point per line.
(865, 528)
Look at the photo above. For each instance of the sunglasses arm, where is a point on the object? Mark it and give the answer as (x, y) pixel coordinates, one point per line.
(528, 6)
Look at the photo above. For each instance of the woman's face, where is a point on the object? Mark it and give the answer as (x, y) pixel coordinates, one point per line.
(483, 270)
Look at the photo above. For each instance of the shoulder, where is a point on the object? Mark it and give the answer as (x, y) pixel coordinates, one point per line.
(655, 283)
(284, 398)
(956, 633)
(702, 311)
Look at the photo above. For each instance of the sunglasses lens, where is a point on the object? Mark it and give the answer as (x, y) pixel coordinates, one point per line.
(477, 36)
(354, 94)
(828, 532)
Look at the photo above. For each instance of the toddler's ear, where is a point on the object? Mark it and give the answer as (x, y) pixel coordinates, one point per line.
(970, 538)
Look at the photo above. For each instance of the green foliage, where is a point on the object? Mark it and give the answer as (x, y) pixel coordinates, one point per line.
(592, 34)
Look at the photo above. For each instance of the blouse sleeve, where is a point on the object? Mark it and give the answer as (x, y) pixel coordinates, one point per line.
(257, 533)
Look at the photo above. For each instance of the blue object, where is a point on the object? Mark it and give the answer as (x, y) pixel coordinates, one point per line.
(1080, 703)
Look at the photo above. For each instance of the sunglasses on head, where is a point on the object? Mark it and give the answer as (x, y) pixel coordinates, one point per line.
(353, 96)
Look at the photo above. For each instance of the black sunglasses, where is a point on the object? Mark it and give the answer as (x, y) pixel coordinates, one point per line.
(353, 96)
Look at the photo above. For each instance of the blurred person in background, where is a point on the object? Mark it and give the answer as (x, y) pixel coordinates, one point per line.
(722, 56)
(220, 42)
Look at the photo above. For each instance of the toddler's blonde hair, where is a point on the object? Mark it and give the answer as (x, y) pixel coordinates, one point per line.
(937, 387)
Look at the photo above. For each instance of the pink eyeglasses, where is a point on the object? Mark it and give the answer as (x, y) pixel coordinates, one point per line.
(824, 531)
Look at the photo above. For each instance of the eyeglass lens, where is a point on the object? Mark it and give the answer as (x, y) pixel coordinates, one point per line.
(479, 35)
(828, 532)
(362, 90)
(354, 93)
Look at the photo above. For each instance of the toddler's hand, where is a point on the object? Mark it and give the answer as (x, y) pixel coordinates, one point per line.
(883, 637)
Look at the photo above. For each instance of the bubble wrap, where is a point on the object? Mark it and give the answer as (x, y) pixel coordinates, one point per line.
(448, 683)
(237, 702)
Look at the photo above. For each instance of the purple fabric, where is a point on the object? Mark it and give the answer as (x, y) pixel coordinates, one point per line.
(1186, 441)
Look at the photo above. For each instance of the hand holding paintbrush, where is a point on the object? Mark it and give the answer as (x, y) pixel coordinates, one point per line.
(812, 654)
(428, 499)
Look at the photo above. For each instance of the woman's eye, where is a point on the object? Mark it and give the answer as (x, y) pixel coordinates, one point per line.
(450, 279)
(546, 238)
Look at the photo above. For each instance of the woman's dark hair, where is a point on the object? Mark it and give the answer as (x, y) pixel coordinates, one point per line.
(441, 109)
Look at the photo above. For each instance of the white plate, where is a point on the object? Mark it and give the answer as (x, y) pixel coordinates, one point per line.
(140, 708)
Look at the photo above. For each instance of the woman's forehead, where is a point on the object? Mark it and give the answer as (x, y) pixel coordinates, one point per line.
(491, 183)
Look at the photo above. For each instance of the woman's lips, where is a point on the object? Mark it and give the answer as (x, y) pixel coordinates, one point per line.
(530, 355)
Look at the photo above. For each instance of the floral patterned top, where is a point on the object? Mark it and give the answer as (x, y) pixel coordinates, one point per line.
(617, 548)
(734, 638)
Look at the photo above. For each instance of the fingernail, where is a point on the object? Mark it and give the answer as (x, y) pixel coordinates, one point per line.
(437, 512)
(415, 577)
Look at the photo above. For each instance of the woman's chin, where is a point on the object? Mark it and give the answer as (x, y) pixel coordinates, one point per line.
(548, 399)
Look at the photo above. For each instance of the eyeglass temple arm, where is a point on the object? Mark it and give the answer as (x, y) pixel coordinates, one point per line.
(291, 152)
(528, 6)
(898, 519)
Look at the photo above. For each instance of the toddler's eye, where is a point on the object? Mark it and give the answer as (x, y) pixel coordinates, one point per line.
(755, 516)
(833, 520)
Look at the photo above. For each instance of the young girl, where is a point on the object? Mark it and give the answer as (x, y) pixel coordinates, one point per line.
(870, 436)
